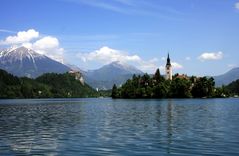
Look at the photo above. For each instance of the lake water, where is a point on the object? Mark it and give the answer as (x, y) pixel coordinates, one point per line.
(119, 127)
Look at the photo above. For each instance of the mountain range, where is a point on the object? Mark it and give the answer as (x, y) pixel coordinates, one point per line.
(24, 62)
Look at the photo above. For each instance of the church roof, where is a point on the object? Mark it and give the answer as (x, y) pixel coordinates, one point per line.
(168, 60)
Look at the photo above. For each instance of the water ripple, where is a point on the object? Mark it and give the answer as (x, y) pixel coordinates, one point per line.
(119, 127)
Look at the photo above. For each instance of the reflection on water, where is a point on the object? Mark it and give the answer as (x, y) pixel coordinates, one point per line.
(119, 127)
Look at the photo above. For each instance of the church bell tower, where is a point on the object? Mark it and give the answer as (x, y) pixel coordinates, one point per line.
(168, 70)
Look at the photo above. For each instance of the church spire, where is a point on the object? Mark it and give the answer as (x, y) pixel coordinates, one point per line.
(168, 60)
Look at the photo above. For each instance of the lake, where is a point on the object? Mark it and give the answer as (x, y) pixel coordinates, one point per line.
(119, 127)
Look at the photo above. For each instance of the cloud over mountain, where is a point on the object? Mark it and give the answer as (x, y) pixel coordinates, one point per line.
(107, 55)
(47, 45)
(20, 37)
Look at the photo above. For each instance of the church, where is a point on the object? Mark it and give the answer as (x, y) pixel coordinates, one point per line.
(168, 70)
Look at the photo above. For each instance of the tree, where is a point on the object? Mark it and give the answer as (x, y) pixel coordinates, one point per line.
(157, 76)
(114, 91)
(203, 87)
(233, 87)
(180, 88)
(160, 90)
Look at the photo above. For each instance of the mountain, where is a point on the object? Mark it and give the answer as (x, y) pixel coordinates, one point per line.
(26, 62)
(110, 74)
(227, 78)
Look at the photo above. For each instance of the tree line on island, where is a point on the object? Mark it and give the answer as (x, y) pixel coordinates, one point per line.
(181, 86)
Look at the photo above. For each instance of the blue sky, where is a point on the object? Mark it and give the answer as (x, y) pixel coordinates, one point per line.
(201, 36)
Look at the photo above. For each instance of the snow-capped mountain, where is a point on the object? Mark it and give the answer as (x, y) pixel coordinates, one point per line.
(5, 51)
(26, 62)
(110, 74)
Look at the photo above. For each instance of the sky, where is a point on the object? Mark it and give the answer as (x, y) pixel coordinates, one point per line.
(201, 36)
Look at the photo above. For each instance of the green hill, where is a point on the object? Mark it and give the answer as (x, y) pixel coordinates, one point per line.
(233, 87)
(50, 85)
(65, 85)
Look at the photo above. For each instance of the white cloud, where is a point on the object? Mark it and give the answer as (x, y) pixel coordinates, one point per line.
(47, 42)
(21, 37)
(50, 47)
(211, 56)
(107, 55)
(176, 65)
(27, 45)
(188, 58)
(47, 45)
(147, 66)
(237, 5)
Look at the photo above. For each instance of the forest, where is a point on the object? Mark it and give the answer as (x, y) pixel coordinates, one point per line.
(50, 85)
(234, 87)
(156, 86)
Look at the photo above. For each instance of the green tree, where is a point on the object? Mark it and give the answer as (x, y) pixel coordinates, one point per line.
(157, 77)
(159, 90)
(114, 91)
(203, 87)
(233, 88)
(180, 88)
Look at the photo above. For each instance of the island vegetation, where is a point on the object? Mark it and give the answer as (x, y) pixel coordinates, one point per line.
(181, 86)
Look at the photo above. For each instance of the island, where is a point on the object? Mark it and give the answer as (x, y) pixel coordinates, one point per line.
(171, 86)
